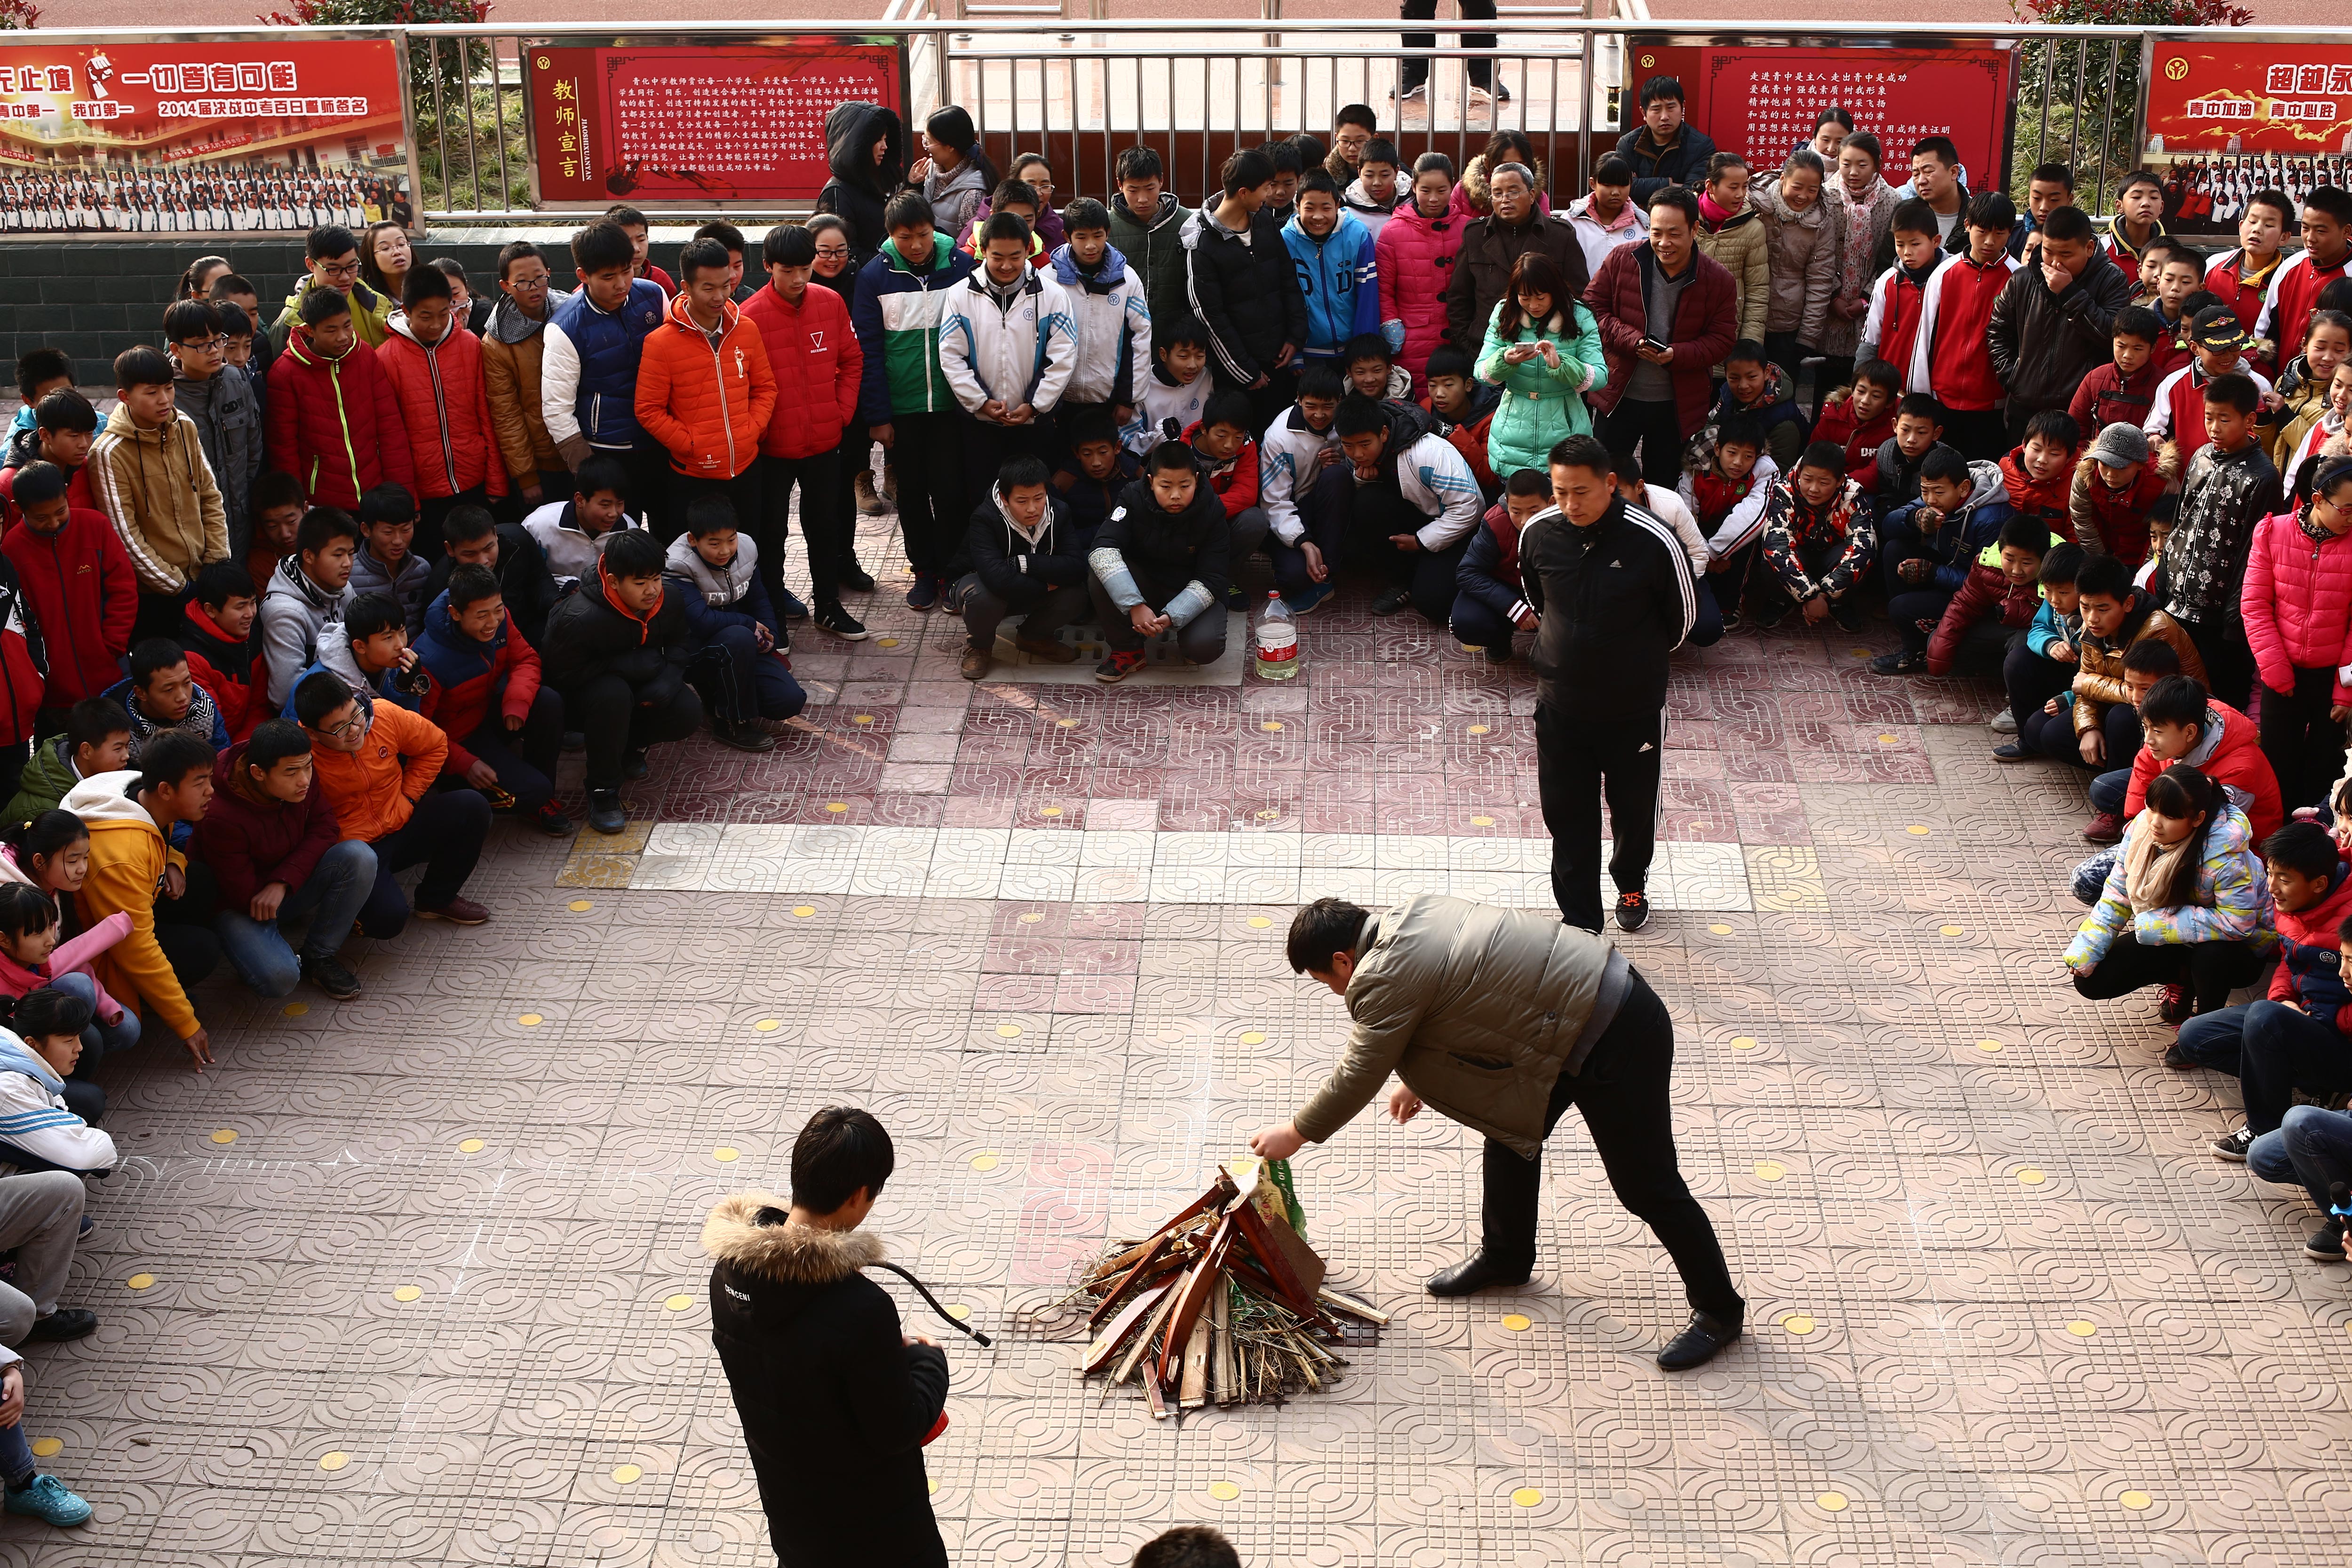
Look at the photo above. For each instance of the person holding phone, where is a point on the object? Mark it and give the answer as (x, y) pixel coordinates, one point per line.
(1668, 313)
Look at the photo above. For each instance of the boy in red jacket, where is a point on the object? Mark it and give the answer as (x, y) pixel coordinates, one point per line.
(1862, 420)
(1947, 355)
(2122, 390)
(334, 419)
(2186, 725)
(215, 629)
(1464, 408)
(2038, 473)
(79, 583)
(505, 729)
(1228, 459)
(815, 358)
(435, 366)
(2005, 584)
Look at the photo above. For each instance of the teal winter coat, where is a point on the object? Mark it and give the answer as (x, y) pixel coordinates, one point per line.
(1540, 404)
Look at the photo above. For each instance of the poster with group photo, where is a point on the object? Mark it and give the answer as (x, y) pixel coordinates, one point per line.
(217, 137)
(707, 125)
(2227, 119)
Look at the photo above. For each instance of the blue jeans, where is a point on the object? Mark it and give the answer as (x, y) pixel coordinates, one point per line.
(100, 1040)
(331, 895)
(2272, 1051)
(2313, 1145)
(2107, 791)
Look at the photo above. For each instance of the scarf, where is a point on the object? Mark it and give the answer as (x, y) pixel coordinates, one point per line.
(1714, 212)
(318, 598)
(1857, 234)
(2148, 869)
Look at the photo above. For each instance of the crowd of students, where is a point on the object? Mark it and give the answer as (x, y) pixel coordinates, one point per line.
(323, 595)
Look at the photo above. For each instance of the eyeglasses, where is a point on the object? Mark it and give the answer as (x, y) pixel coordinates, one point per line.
(338, 269)
(204, 345)
(351, 726)
(833, 252)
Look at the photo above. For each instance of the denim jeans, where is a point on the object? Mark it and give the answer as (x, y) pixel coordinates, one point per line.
(99, 1041)
(2313, 1145)
(332, 896)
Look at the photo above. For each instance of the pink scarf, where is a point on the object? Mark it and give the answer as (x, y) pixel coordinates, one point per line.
(1712, 211)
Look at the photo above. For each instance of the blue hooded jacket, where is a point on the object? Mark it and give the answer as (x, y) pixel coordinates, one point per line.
(1341, 280)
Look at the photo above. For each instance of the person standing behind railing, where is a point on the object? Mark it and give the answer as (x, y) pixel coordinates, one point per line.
(1414, 77)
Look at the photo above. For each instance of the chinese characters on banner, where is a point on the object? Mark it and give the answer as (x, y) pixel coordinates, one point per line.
(1762, 102)
(201, 138)
(697, 125)
(2225, 120)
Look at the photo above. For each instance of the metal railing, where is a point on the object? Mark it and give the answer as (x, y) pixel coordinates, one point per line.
(1089, 86)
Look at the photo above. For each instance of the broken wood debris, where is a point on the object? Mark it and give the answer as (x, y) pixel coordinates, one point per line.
(1226, 1303)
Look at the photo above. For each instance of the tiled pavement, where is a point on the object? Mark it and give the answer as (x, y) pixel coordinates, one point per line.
(415, 1280)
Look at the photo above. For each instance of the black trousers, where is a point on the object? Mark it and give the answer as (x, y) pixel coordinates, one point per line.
(1655, 427)
(523, 759)
(2304, 745)
(741, 492)
(1625, 1091)
(445, 835)
(2229, 662)
(1416, 67)
(988, 447)
(1577, 760)
(2032, 680)
(1379, 512)
(1979, 435)
(825, 527)
(928, 453)
(183, 931)
(2211, 969)
(607, 713)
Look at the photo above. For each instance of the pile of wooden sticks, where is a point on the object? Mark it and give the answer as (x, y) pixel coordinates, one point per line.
(1225, 1302)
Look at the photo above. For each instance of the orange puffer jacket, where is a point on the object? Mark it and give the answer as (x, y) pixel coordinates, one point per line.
(442, 401)
(708, 406)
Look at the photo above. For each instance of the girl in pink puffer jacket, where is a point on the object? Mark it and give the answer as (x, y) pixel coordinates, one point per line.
(1414, 252)
(2297, 606)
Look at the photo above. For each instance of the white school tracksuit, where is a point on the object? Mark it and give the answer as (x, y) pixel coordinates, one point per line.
(1287, 451)
(1110, 319)
(1160, 401)
(1020, 350)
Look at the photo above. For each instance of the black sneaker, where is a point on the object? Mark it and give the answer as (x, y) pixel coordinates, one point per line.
(1632, 910)
(554, 820)
(831, 618)
(1391, 602)
(2011, 752)
(633, 766)
(326, 972)
(2232, 1146)
(1847, 613)
(604, 813)
(925, 593)
(2327, 1243)
(788, 605)
(1235, 598)
(69, 1323)
(1499, 654)
(575, 739)
(744, 735)
(2178, 1059)
(1903, 663)
(855, 578)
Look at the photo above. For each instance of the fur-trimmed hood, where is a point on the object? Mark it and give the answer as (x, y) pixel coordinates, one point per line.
(739, 1234)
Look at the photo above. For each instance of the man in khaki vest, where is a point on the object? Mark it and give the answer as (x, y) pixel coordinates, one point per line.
(1502, 1019)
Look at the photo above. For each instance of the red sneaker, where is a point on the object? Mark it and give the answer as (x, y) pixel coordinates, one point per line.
(1119, 666)
(2108, 827)
(456, 911)
(2179, 1008)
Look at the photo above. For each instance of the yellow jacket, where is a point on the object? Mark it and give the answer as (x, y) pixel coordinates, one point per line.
(161, 494)
(127, 856)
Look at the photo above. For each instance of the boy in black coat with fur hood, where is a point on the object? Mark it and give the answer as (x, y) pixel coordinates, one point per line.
(836, 1401)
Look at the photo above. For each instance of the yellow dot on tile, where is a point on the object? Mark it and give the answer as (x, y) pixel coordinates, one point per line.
(984, 1161)
(1887, 740)
(531, 1020)
(803, 911)
(47, 1447)
(2082, 1327)
(1949, 930)
(958, 1310)
(1253, 1037)
(406, 1293)
(224, 1135)
(579, 906)
(935, 1488)
(470, 1146)
(296, 1009)
(1270, 724)
(2031, 1177)
(1831, 1502)
(726, 1155)
(2136, 1500)
(1720, 929)
(885, 642)
(1065, 723)
(1744, 1043)
(627, 1475)
(1268, 815)
(861, 718)
(1481, 729)
(1989, 1045)
(1259, 922)
(333, 1459)
(1518, 1323)
(680, 1302)
(139, 1281)
(1482, 821)
(1223, 1491)
(1032, 918)
(1525, 1497)
(1799, 1323)
(836, 806)
(1049, 811)
(1858, 653)
(1918, 830)
(1008, 1031)
(769, 1025)
(1771, 1170)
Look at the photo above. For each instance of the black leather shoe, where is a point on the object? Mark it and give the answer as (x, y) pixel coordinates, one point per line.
(65, 1324)
(1697, 1345)
(1472, 1275)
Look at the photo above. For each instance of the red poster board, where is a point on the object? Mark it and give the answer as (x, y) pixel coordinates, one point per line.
(207, 137)
(1761, 103)
(697, 125)
(2250, 98)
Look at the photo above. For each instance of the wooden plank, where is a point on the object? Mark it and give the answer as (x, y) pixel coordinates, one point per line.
(1194, 1393)
(1107, 1342)
(1256, 1234)
(1193, 1299)
(1143, 1340)
(1350, 1306)
(1221, 1345)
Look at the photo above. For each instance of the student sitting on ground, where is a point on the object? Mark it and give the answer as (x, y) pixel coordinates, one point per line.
(1021, 555)
(2119, 496)
(61, 1024)
(2119, 623)
(1413, 510)
(217, 633)
(97, 740)
(281, 861)
(572, 534)
(1098, 471)
(1932, 544)
(2038, 672)
(1995, 602)
(1892, 479)
(1489, 605)
(310, 590)
(1755, 387)
(473, 538)
(1169, 400)
(1228, 458)
(1159, 565)
(504, 727)
(2182, 723)
(1817, 545)
(1727, 496)
(387, 561)
(2038, 473)
(1464, 407)
(1666, 506)
(1861, 418)
(2187, 905)
(375, 768)
(160, 694)
(369, 652)
(36, 954)
(617, 653)
(735, 644)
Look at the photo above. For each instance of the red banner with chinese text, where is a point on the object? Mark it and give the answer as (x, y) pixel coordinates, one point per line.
(200, 137)
(2250, 98)
(696, 125)
(1761, 103)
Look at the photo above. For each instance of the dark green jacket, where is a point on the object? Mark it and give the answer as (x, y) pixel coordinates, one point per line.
(1155, 254)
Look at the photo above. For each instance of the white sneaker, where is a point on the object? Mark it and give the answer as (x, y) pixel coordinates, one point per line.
(1415, 94)
(2004, 722)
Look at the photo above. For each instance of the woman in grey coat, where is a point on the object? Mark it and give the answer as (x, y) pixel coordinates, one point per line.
(1801, 235)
